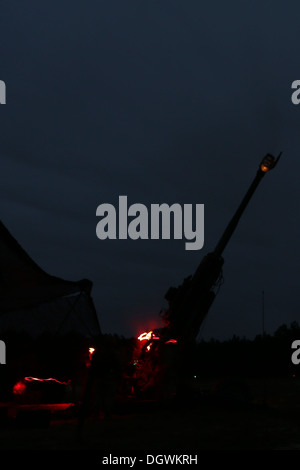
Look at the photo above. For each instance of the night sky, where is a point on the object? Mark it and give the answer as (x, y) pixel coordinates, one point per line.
(162, 101)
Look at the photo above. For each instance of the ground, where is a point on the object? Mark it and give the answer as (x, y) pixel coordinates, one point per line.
(269, 422)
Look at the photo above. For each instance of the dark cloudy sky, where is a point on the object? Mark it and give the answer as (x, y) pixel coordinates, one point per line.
(162, 101)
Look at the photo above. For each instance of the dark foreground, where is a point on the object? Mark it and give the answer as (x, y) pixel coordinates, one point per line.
(271, 421)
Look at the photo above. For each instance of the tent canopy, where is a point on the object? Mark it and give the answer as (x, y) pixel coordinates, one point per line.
(29, 296)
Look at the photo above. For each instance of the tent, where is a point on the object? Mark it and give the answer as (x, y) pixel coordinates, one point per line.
(35, 302)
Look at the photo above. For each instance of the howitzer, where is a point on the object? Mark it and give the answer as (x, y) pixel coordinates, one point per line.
(190, 302)
(156, 369)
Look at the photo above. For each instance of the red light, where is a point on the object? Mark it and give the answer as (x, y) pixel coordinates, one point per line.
(146, 336)
(19, 388)
(171, 341)
(91, 352)
(31, 379)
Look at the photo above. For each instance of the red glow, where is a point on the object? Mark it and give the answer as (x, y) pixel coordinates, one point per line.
(31, 379)
(171, 341)
(19, 388)
(91, 352)
(146, 336)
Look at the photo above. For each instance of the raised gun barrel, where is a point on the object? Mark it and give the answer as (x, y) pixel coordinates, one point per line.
(190, 302)
(267, 164)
